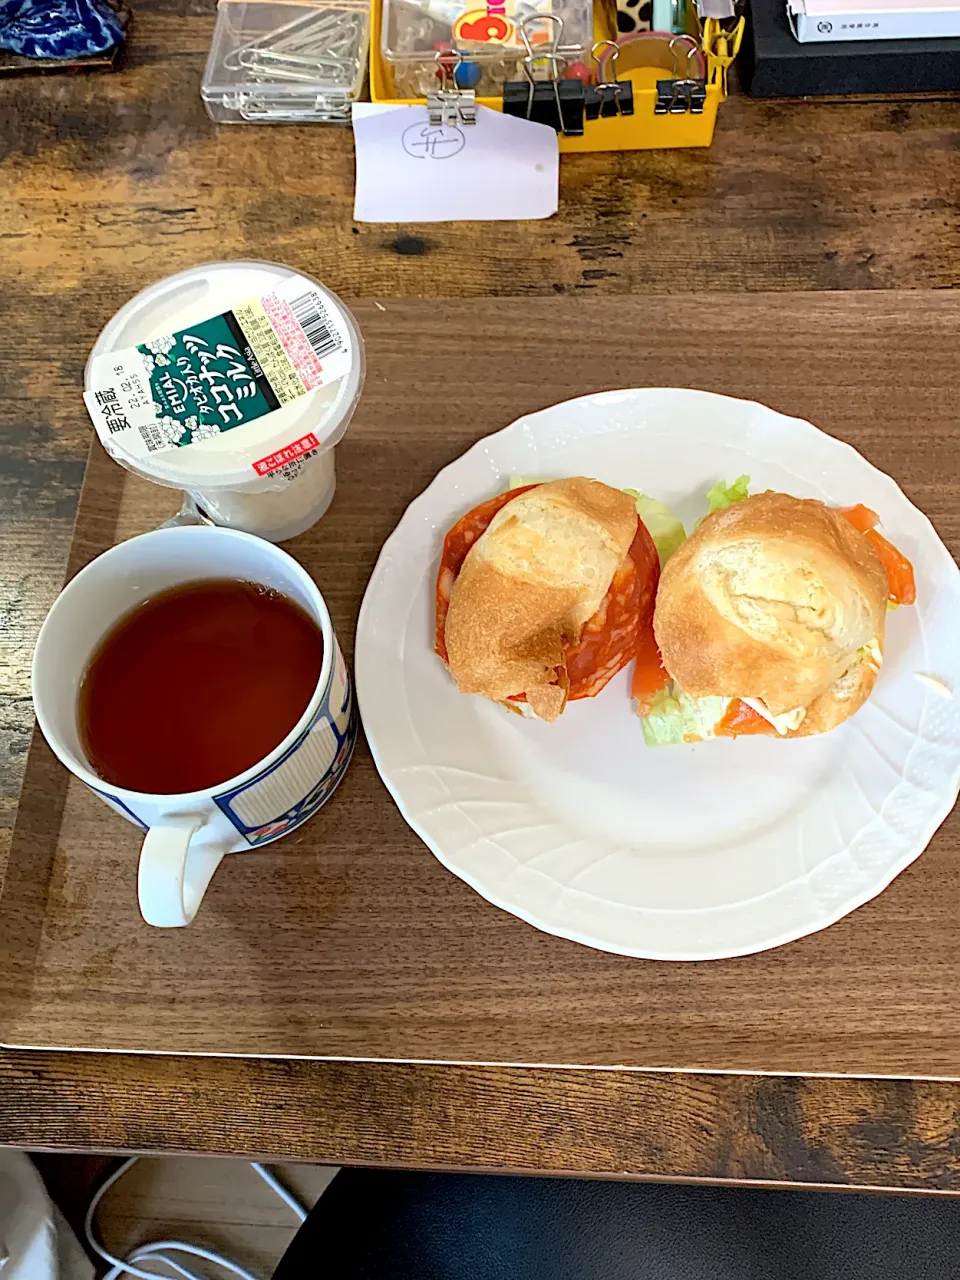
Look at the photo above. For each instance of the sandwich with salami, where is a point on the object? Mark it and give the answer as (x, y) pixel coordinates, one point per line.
(769, 619)
(544, 593)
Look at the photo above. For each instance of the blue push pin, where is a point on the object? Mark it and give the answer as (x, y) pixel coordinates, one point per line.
(468, 74)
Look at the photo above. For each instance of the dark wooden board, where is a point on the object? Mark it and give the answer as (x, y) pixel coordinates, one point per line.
(350, 939)
(823, 1132)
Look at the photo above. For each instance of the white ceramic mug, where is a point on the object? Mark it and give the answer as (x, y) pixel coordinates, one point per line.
(187, 835)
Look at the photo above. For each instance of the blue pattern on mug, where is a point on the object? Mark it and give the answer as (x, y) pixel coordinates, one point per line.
(120, 807)
(289, 791)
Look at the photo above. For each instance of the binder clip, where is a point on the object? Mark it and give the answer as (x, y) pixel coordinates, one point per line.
(448, 105)
(553, 101)
(684, 92)
(611, 97)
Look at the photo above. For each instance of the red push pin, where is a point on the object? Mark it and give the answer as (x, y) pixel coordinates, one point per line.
(578, 71)
(446, 59)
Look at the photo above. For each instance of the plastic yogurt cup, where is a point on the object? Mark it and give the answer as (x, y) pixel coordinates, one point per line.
(274, 475)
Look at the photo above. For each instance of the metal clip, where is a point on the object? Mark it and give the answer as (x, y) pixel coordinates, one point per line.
(449, 105)
(544, 53)
(608, 97)
(552, 101)
(684, 92)
(677, 97)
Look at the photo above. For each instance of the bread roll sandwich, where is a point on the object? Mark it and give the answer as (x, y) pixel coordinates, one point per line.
(542, 593)
(770, 619)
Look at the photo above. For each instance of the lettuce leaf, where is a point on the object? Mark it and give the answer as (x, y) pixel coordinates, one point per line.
(663, 526)
(675, 717)
(725, 495)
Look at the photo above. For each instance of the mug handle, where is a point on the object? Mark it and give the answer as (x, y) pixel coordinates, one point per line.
(172, 877)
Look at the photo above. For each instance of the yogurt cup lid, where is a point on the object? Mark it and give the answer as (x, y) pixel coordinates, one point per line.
(184, 412)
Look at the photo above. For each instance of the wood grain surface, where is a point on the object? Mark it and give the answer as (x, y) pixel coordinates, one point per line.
(349, 939)
(792, 195)
(109, 182)
(827, 1132)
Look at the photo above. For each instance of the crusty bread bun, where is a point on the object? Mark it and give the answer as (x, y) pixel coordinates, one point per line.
(774, 598)
(840, 701)
(528, 585)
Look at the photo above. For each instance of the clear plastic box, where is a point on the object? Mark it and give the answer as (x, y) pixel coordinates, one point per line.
(275, 63)
(487, 35)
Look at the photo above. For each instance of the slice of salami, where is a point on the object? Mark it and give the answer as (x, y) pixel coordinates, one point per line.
(609, 639)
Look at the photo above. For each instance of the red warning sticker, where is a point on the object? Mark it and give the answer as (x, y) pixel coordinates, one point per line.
(289, 453)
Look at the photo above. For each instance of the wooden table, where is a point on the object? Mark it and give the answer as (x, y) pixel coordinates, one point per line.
(109, 181)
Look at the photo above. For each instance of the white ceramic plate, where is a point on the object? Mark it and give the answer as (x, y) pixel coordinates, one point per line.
(678, 853)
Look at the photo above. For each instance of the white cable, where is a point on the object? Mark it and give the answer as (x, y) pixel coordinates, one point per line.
(275, 1185)
(159, 1251)
(148, 1251)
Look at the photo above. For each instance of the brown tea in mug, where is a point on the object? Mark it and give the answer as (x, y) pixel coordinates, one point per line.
(196, 684)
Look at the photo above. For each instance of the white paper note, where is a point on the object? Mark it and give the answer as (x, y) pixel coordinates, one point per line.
(411, 171)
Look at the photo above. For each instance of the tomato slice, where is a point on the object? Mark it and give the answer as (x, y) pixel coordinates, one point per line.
(739, 720)
(861, 517)
(649, 676)
(901, 584)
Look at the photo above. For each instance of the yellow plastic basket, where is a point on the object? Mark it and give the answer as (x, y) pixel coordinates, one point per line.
(644, 130)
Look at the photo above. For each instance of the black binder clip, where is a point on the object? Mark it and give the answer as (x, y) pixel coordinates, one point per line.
(608, 97)
(553, 101)
(684, 92)
(676, 97)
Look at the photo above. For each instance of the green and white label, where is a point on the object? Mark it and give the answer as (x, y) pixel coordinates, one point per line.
(220, 373)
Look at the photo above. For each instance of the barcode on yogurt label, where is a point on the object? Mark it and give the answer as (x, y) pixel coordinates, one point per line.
(311, 315)
(313, 335)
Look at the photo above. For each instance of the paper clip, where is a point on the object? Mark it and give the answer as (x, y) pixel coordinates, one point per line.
(321, 44)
